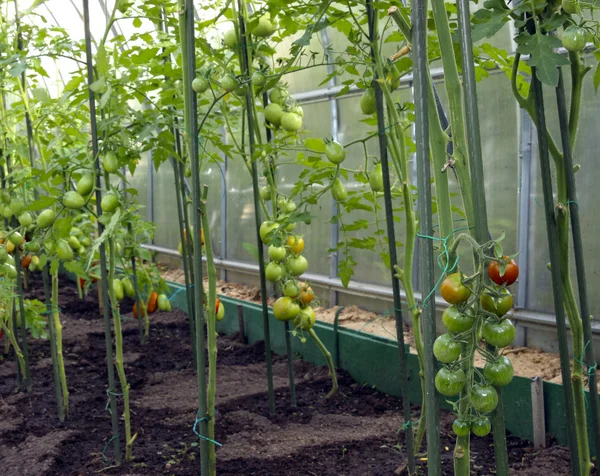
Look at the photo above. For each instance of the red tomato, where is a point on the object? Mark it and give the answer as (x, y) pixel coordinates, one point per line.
(511, 273)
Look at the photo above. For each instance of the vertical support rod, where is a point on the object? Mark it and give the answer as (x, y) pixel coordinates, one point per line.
(223, 202)
(590, 359)
(538, 416)
(257, 214)
(557, 291)
(103, 271)
(419, 21)
(391, 232)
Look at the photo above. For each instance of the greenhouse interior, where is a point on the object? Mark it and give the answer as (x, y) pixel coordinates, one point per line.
(307, 237)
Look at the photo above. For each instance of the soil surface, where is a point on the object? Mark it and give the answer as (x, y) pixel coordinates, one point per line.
(527, 361)
(357, 432)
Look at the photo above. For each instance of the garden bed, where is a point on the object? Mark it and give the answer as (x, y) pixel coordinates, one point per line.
(355, 433)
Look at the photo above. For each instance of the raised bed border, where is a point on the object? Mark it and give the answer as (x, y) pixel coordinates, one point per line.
(373, 360)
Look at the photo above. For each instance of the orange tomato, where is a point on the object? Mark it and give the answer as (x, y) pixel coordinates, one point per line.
(152, 302)
(295, 244)
(26, 261)
(306, 295)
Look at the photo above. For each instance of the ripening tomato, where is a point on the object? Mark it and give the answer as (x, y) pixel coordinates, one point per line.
(26, 261)
(499, 305)
(511, 272)
(461, 427)
(500, 372)
(499, 334)
(453, 290)
(295, 244)
(368, 105)
(306, 295)
(450, 382)
(163, 303)
(376, 178)
(135, 309)
(481, 427)
(285, 309)
(484, 398)
(220, 311)
(152, 302)
(455, 321)
(446, 349)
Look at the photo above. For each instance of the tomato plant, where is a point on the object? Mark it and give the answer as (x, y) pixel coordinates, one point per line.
(453, 290)
(500, 276)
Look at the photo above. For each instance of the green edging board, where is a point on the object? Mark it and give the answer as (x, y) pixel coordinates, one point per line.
(373, 360)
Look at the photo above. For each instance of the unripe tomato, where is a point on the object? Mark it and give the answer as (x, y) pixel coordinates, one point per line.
(230, 39)
(497, 305)
(455, 321)
(511, 272)
(338, 191)
(461, 427)
(74, 243)
(109, 203)
(3, 254)
(291, 289)
(285, 309)
(265, 27)
(9, 271)
(200, 85)
(7, 212)
(286, 205)
(118, 289)
(26, 219)
(306, 295)
(574, 38)
(291, 226)
(85, 185)
(10, 247)
(335, 152)
(16, 205)
(291, 121)
(273, 113)
(241, 90)
(499, 334)
(297, 265)
(277, 253)
(258, 79)
(446, 349)
(73, 200)
(450, 382)
(570, 6)
(128, 288)
(163, 303)
(46, 218)
(63, 250)
(85, 241)
(273, 271)
(10, 260)
(33, 246)
(110, 162)
(453, 290)
(16, 238)
(266, 231)
(229, 83)
(367, 102)
(394, 77)
(500, 372)
(220, 312)
(484, 398)
(278, 96)
(481, 427)
(376, 178)
(152, 302)
(295, 244)
(265, 193)
(306, 319)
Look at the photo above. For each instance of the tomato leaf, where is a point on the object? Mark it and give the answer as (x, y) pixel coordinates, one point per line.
(253, 250)
(314, 144)
(543, 57)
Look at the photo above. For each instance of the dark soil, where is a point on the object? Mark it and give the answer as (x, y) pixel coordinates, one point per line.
(357, 432)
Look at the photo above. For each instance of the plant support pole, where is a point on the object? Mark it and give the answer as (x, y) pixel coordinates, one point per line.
(261, 258)
(103, 271)
(590, 359)
(389, 216)
(419, 21)
(552, 232)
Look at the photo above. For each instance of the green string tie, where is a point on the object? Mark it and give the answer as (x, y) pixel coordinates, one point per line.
(198, 420)
(104, 450)
(50, 309)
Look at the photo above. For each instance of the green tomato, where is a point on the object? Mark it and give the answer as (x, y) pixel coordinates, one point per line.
(306, 319)
(63, 250)
(499, 334)
(285, 309)
(570, 6)
(481, 427)
(376, 178)
(26, 219)
(7, 212)
(265, 193)
(265, 27)
(500, 372)
(241, 90)
(286, 205)
(73, 200)
(277, 253)
(200, 85)
(273, 114)
(290, 226)
(110, 162)
(338, 191)
(109, 203)
(497, 305)
(86, 241)
(258, 79)
(118, 289)
(128, 288)
(10, 260)
(461, 427)
(291, 121)
(574, 38)
(297, 265)
(46, 218)
(229, 83)
(446, 349)
(9, 271)
(450, 382)
(74, 243)
(266, 230)
(85, 185)
(367, 102)
(484, 398)
(278, 96)
(220, 311)
(335, 152)
(273, 271)
(3, 254)
(230, 39)
(291, 289)
(163, 303)
(455, 321)
(16, 238)
(16, 205)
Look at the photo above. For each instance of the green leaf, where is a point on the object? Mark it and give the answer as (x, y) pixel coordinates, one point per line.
(42, 202)
(314, 144)
(137, 23)
(102, 64)
(543, 58)
(253, 250)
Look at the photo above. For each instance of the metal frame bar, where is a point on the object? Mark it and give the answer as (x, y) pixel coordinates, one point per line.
(223, 204)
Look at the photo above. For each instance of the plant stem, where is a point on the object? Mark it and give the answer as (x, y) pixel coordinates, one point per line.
(330, 364)
(59, 350)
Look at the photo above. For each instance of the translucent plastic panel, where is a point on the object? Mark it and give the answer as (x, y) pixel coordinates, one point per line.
(587, 145)
(370, 267)
(139, 181)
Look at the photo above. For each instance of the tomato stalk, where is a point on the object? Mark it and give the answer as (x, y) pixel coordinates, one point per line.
(379, 85)
(57, 327)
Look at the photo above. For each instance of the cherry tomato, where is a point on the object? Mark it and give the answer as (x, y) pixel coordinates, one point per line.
(200, 85)
(368, 105)
(376, 178)
(291, 121)
(26, 220)
(266, 231)
(285, 308)
(484, 398)
(335, 152)
(306, 319)
(286, 205)
(277, 253)
(45, 219)
(455, 321)
(73, 200)
(273, 114)
(110, 162)
(450, 382)
(297, 265)
(26, 261)
(16, 238)
(306, 295)
(241, 90)
(229, 83)
(446, 349)
(278, 96)
(291, 289)
(481, 427)
(511, 272)
(273, 271)
(453, 290)
(574, 38)
(265, 193)
(230, 39)
(265, 27)
(500, 372)
(499, 334)
(220, 313)
(258, 79)
(497, 305)
(85, 186)
(461, 427)
(295, 244)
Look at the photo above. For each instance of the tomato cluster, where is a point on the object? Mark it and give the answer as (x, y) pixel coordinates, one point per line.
(475, 317)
